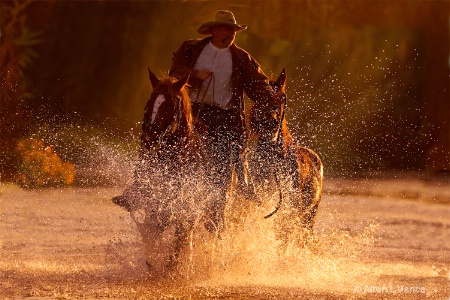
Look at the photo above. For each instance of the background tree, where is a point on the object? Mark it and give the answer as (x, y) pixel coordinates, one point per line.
(20, 33)
(368, 82)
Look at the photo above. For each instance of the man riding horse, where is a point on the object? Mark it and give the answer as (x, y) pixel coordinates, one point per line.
(220, 74)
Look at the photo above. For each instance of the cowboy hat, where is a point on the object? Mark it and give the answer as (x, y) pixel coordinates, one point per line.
(221, 17)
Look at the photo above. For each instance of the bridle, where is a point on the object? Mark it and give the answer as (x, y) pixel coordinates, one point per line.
(276, 140)
(163, 137)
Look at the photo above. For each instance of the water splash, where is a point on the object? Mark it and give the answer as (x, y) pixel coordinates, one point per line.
(102, 157)
(250, 256)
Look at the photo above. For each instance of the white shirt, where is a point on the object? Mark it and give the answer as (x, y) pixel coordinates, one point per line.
(216, 90)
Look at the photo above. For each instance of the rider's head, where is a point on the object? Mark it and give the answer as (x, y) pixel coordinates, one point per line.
(223, 29)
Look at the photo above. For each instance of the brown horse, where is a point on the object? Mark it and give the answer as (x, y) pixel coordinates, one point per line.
(164, 197)
(278, 159)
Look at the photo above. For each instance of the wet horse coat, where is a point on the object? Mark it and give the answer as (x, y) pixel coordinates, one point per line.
(276, 156)
(164, 196)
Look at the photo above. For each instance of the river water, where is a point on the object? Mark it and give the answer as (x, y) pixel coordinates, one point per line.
(378, 238)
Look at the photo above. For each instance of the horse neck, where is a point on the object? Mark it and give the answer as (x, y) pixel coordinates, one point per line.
(183, 136)
(185, 121)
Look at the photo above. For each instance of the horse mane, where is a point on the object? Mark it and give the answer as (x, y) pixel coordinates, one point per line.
(286, 134)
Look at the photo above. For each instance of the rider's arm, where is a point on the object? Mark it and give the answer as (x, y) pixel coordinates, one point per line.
(182, 63)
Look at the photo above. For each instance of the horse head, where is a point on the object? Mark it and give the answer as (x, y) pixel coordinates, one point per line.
(280, 83)
(167, 111)
(267, 122)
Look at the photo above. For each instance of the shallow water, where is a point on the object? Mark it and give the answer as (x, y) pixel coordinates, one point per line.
(375, 239)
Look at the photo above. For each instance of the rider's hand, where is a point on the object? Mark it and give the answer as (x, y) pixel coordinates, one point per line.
(203, 74)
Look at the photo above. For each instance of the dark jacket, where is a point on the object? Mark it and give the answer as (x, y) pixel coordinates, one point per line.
(246, 76)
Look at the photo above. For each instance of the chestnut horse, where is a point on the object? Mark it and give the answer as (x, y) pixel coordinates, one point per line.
(277, 158)
(164, 197)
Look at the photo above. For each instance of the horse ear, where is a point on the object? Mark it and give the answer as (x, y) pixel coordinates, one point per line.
(153, 79)
(281, 81)
(181, 82)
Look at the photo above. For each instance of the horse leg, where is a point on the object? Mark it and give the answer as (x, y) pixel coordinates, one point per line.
(180, 245)
(244, 180)
(154, 250)
(219, 178)
(303, 170)
(215, 212)
(264, 162)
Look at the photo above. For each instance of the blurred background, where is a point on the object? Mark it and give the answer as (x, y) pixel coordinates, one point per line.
(368, 81)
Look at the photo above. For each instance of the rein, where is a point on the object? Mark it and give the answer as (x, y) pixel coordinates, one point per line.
(206, 89)
(172, 127)
(204, 94)
(276, 141)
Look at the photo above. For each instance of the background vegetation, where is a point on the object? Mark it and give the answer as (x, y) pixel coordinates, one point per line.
(368, 81)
